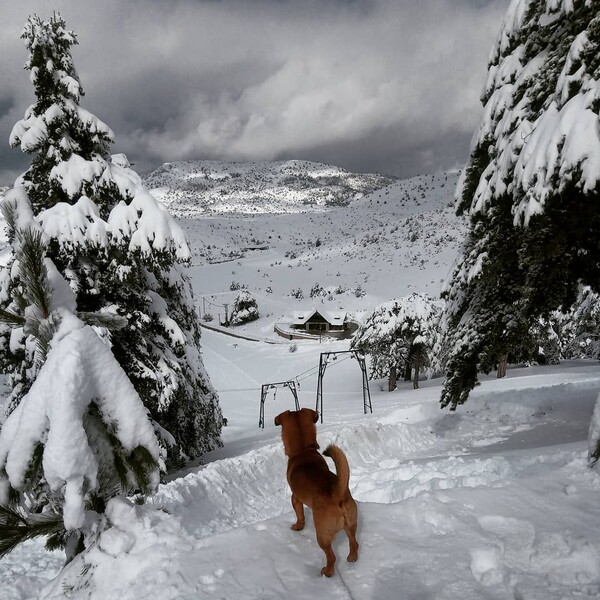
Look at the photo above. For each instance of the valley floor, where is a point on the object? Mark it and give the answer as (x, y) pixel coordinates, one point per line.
(494, 501)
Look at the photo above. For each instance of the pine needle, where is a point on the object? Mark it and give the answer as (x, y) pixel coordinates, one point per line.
(31, 254)
(11, 318)
(9, 212)
(16, 528)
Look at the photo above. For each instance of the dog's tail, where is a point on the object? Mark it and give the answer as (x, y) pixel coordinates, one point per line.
(342, 469)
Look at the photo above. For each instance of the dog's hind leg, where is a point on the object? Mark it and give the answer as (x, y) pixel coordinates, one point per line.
(299, 510)
(351, 533)
(350, 523)
(325, 543)
(325, 537)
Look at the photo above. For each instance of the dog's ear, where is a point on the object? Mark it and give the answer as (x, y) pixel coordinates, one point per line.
(314, 415)
(278, 418)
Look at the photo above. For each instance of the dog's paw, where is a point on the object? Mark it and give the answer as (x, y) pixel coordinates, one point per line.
(298, 526)
(353, 554)
(325, 572)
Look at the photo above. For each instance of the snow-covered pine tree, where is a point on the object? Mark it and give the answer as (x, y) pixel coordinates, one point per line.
(531, 188)
(399, 336)
(120, 251)
(245, 308)
(581, 327)
(571, 334)
(80, 435)
(547, 336)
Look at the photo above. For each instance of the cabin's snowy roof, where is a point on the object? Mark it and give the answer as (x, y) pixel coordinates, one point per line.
(333, 317)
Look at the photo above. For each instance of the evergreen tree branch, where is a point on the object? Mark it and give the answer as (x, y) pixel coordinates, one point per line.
(16, 528)
(112, 322)
(45, 332)
(11, 318)
(9, 212)
(37, 290)
(142, 464)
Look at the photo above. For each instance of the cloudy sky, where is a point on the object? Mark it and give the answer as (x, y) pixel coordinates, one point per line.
(370, 85)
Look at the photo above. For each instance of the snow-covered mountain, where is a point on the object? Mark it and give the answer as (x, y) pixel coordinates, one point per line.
(401, 239)
(189, 188)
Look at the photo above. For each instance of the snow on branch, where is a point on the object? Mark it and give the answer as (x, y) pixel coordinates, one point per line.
(79, 370)
(142, 224)
(540, 131)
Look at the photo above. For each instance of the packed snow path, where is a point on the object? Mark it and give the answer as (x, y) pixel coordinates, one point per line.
(495, 501)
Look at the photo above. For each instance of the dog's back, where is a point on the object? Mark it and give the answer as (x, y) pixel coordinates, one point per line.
(310, 478)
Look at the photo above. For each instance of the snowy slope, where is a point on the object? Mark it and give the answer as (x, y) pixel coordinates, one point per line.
(395, 241)
(190, 188)
(494, 501)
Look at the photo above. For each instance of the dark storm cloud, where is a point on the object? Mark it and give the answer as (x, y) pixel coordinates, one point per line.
(385, 85)
(405, 156)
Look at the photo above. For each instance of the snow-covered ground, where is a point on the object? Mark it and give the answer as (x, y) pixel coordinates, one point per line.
(395, 241)
(494, 501)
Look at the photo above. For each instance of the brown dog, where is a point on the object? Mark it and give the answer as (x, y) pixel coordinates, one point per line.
(313, 484)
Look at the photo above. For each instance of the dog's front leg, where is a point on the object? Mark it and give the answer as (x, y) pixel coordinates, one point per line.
(299, 510)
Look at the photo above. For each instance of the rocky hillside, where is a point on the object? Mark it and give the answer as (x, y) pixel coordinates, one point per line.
(188, 188)
(401, 239)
